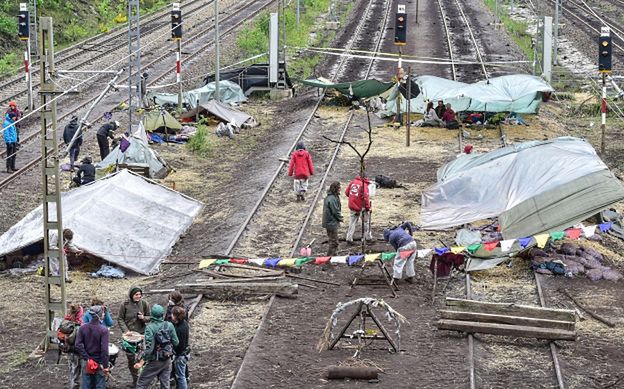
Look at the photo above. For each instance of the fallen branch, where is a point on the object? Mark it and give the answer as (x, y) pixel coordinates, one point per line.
(591, 313)
(357, 373)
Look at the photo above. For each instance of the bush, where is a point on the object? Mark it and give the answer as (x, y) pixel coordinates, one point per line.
(200, 142)
(8, 64)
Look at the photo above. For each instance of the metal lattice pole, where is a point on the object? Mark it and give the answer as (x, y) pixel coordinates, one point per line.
(51, 188)
(34, 45)
(135, 93)
(217, 52)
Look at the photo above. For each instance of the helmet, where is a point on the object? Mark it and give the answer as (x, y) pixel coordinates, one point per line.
(300, 145)
(12, 104)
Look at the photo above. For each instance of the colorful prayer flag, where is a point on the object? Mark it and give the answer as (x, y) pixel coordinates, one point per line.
(457, 249)
(204, 263)
(474, 247)
(353, 259)
(272, 262)
(423, 253)
(322, 260)
(371, 257)
(541, 240)
(557, 235)
(506, 244)
(441, 250)
(573, 233)
(286, 262)
(490, 246)
(342, 259)
(303, 260)
(222, 261)
(604, 227)
(589, 231)
(524, 242)
(406, 254)
(387, 256)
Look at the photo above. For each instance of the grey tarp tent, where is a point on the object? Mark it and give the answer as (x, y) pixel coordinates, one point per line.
(222, 111)
(358, 89)
(137, 154)
(228, 91)
(532, 188)
(124, 219)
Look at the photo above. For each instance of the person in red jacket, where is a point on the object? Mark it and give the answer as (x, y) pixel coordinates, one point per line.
(301, 167)
(359, 202)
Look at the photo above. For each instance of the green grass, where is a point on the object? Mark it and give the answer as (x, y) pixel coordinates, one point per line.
(200, 142)
(517, 30)
(8, 63)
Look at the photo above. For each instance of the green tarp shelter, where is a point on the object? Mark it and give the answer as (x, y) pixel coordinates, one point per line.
(160, 121)
(360, 89)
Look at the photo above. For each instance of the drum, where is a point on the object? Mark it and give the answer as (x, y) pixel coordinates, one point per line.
(131, 342)
(112, 354)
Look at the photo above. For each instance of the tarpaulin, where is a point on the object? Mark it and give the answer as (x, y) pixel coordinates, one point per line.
(358, 89)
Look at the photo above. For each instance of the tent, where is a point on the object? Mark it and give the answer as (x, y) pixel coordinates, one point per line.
(138, 153)
(358, 89)
(533, 187)
(222, 111)
(228, 91)
(519, 93)
(124, 219)
(160, 121)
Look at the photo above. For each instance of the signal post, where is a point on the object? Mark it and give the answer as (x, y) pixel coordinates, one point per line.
(23, 31)
(400, 39)
(176, 34)
(604, 67)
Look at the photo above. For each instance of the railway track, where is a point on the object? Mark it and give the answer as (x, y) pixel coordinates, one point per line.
(319, 122)
(159, 65)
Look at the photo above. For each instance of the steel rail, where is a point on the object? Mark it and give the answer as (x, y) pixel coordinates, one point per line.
(448, 41)
(267, 188)
(474, 40)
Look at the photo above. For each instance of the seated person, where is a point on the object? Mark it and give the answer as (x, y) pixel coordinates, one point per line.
(449, 117)
(86, 172)
(440, 109)
(431, 118)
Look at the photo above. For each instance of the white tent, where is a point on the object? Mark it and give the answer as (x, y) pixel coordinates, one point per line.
(534, 187)
(124, 219)
(229, 92)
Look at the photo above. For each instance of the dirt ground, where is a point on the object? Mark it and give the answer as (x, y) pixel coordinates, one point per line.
(284, 352)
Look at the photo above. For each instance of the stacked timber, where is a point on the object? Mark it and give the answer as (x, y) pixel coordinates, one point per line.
(249, 281)
(507, 319)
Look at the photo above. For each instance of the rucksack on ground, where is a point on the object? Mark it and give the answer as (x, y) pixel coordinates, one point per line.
(162, 343)
(66, 335)
(385, 181)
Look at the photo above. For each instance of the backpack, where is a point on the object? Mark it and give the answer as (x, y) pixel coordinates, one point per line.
(162, 343)
(66, 335)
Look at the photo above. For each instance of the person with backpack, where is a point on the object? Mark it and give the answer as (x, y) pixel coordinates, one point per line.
(160, 340)
(92, 346)
(133, 314)
(68, 134)
(302, 168)
(66, 335)
(175, 300)
(359, 203)
(182, 351)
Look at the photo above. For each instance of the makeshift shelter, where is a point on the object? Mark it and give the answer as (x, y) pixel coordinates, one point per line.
(520, 93)
(137, 153)
(223, 112)
(359, 89)
(160, 121)
(252, 78)
(124, 219)
(229, 92)
(532, 187)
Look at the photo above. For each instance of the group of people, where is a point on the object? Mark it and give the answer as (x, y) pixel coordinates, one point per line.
(440, 116)
(164, 352)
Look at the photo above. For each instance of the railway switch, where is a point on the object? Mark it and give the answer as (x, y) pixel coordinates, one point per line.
(400, 26)
(176, 22)
(23, 24)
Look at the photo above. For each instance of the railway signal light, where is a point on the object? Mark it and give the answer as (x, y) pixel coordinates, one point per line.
(400, 26)
(176, 22)
(604, 50)
(23, 23)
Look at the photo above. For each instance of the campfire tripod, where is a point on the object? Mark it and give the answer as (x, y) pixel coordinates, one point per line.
(363, 311)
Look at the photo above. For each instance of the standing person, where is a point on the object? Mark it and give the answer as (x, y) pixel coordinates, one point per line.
(182, 351)
(359, 203)
(102, 135)
(332, 217)
(76, 316)
(92, 345)
(302, 168)
(175, 300)
(68, 135)
(70, 250)
(85, 173)
(401, 240)
(440, 109)
(160, 339)
(10, 139)
(18, 115)
(133, 315)
(431, 118)
(107, 321)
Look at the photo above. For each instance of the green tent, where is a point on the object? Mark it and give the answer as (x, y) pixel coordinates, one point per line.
(358, 89)
(160, 121)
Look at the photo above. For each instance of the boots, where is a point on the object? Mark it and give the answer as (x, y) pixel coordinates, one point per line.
(410, 280)
(396, 281)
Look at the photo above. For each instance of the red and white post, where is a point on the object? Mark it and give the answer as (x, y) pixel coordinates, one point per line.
(179, 73)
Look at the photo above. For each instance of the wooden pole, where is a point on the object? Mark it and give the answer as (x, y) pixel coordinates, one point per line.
(435, 279)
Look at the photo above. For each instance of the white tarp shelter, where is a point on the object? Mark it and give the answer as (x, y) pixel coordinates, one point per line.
(229, 92)
(520, 93)
(533, 187)
(223, 112)
(124, 219)
(137, 154)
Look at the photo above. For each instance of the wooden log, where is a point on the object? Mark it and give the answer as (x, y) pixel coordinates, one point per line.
(505, 319)
(312, 279)
(193, 305)
(512, 309)
(240, 280)
(506, 329)
(253, 268)
(356, 373)
(245, 288)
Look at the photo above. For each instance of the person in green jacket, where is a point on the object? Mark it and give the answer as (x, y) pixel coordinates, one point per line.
(133, 314)
(158, 354)
(332, 216)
